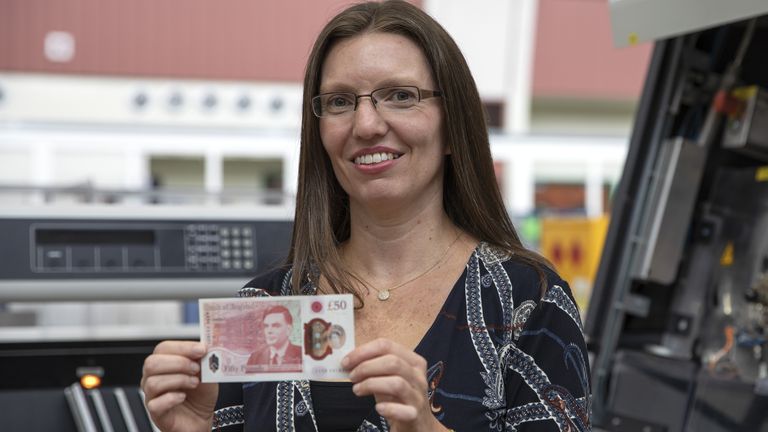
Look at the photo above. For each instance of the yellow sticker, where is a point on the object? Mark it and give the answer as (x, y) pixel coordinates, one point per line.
(744, 93)
(633, 38)
(761, 174)
(727, 258)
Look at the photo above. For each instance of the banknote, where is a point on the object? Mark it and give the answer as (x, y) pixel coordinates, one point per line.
(276, 338)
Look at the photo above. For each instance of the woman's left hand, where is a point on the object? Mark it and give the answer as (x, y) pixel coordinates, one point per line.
(397, 378)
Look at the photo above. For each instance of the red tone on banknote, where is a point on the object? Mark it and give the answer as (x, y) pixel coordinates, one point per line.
(276, 338)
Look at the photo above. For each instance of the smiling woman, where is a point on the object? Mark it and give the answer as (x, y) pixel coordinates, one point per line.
(409, 181)
(457, 324)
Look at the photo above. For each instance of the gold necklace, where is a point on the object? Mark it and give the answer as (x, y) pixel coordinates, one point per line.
(383, 295)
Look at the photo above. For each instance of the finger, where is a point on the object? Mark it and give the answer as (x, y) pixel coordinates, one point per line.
(191, 349)
(377, 348)
(160, 405)
(394, 411)
(161, 364)
(388, 364)
(389, 388)
(157, 385)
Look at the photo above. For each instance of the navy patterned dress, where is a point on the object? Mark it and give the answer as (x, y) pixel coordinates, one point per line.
(500, 356)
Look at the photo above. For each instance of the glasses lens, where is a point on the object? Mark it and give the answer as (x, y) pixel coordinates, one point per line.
(337, 103)
(397, 97)
(317, 106)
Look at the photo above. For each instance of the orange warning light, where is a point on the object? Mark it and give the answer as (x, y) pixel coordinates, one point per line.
(90, 381)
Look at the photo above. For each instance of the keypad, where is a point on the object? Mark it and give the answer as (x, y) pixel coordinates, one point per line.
(216, 247)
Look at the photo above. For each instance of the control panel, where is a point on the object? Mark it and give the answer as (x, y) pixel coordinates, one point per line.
(145, 253)
(72, 247)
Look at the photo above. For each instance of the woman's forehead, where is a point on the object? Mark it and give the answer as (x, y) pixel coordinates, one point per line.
(374, 60)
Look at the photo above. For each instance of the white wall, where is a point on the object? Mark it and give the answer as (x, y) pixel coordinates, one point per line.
(31, 98)
(497, 39)
(15, 164)
(103, 169)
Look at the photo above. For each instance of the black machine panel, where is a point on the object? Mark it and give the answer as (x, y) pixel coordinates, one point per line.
(41, 249)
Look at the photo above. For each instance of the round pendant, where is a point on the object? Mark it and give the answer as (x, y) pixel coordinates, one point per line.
(383, 295)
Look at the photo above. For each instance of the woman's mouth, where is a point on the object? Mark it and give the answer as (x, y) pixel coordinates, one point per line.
(374, 158)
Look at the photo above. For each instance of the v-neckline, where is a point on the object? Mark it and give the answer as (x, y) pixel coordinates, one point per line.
(448, 298)
(457, 287)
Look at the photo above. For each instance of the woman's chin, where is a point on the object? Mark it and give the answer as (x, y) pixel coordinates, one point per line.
(381, 200)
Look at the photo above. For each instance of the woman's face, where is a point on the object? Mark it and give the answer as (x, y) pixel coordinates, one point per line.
(408, 142)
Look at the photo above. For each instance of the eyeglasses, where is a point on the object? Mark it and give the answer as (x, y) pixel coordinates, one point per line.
(389, 98)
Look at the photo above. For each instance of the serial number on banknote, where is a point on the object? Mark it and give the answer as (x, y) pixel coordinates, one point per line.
(276, 338)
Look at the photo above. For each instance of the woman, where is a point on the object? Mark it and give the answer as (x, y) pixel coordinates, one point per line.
(458, 326)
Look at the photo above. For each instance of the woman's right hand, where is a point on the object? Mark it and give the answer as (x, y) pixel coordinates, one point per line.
(174, 396)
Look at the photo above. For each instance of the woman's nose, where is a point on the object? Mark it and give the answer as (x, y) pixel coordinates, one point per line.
(368, 122)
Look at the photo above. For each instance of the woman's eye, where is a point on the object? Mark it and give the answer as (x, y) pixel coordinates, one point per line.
(401, 96)
(338, 101)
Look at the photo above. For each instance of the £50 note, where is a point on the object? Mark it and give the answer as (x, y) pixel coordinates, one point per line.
(276, 338)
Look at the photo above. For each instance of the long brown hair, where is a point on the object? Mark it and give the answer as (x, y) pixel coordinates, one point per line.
(471, 195)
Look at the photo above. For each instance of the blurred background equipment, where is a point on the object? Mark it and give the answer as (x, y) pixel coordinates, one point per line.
(648, 20)
(678, 315)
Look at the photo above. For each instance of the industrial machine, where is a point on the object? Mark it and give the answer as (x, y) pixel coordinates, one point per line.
(678, 319)
(87, 292)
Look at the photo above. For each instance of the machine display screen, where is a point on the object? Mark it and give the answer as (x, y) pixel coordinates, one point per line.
(94, 236)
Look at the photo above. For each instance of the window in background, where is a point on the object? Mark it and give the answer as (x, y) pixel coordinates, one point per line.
(177, 179)
(246, 180)
(553, 198)
(494, 115)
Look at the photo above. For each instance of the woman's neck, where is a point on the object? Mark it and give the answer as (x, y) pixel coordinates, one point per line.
(384, 250)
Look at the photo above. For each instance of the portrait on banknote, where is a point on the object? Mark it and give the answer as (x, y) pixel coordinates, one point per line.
(277, 353)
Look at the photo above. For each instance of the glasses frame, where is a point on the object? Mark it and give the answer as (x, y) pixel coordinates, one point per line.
(421, 93)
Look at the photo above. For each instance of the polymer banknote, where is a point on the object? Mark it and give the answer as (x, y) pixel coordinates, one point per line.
(276, 338)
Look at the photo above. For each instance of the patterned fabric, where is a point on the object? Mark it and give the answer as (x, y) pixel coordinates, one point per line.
(229, 416)
(501, 357)
(557, 295)
(305, 406)
(285, 406)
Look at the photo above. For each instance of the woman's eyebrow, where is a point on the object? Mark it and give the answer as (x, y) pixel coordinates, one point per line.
(397, 82)
(336, 88)
(339, 87)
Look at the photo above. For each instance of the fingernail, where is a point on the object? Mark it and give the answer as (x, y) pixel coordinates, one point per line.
(355, 388)
(198, 349)
(194, 367)
(344, 362)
